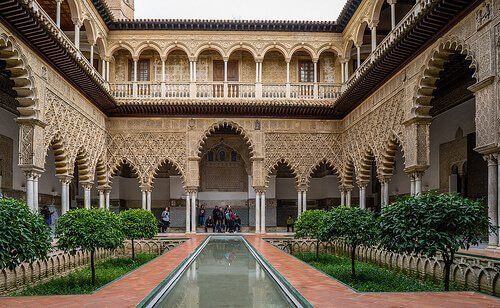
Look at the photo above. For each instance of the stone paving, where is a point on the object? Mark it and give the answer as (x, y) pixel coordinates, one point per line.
(318, 288)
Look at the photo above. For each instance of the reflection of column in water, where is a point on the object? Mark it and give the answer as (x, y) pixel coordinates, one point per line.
(196, 288)
(257, 271)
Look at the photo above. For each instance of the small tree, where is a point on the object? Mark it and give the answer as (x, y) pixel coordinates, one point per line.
(433, 223)
(308, 226)
(352, 225)
(89, 230)
(137, 224)
(24, 236)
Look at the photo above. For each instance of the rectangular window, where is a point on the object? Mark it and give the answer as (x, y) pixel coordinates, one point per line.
(142, 70)
(306, 71)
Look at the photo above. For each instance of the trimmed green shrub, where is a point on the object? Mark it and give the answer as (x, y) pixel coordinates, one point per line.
(138, 224)
(24, 236)
(308, 225)
(89, 230)
(432, 224)
(352, 225)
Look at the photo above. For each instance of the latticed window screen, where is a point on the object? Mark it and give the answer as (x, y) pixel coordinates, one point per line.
(142, 70)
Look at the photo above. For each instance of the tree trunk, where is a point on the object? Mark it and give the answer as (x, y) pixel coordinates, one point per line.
(92, 265)
(133, 249)
(447, 272)
(317, 249)
(353, 257)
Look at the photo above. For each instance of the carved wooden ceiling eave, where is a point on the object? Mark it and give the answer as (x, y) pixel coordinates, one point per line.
(22, 20)
(236, 109)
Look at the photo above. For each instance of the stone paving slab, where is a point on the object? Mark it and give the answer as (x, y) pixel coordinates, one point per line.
(318, 288)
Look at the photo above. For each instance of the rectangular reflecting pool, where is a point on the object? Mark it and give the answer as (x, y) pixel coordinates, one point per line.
(225, 271)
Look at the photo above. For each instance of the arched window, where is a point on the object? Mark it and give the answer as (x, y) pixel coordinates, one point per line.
(222, 156)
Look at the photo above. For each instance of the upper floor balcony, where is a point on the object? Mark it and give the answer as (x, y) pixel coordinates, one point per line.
(210, 75)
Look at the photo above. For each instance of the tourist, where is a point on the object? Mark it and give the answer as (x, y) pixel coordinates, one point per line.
(201, 215)
(289, 223)
(47, 215)
(165, 220)
(237, 223)
(209, 224)
(220, 218)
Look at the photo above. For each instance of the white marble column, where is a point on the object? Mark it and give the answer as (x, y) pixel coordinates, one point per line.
(362, 196)
(106, 194)
(86, 194)
(346, 72)
(103, 69)
(144, 199)
(78, 25)
(91, 60)
(193, 212)
(64, 192)
(107, 71)
(29, 190)
(342, 196)
(58, 13)
(358, 55)
(348, 197)
(386, 193)
(35, 192)
(299, 203)
(392, 3)
(342, 72)
(412, 185)
(163, 77)
(288, 86)
(188, 212)
(102, 201)
(148, 200)
(374, 37)
(304, 201)
(262, 212)
(418, 182)
(134, 85)
(493, 198)
(257, 212)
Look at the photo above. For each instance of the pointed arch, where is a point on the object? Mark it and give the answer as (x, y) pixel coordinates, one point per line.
(225, 124)
(83, 165)
(103, 175)
(310, 171)
(21, 74)
(434, 64)
(348, 172)
(365, 166)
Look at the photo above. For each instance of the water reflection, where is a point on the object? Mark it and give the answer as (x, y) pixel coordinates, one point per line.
(225, 274)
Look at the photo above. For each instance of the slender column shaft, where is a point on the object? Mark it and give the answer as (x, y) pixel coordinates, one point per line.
(260, 72)
(362, 197)
(86, 196)
(315, 78)
(498, 202)
(107, 71)
(342, 72)
(64, 205)
(135, 71)
(163, 74)
(257, 212)
(225, 70)
(194, 71)
(77, 35)
(493, 198)
(412, 185)
(346, 73)
(348, 197)
(144, 201)
(193, 212)
(418, 183)
(58, 13)
(358, 55)
(374, 38)
(304, 201)
(299, 203)
(263, 212)
(386, 193)
(29, 191)
(288, 72)
(101, 199)
(342, 197)
(91, 55)
(256, 72)
(188, 212)
(393, 15)
(103, 69)
(35, 192)
(148, 200)
(107, 199)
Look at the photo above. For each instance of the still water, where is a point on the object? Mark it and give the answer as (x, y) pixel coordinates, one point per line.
(225, 274)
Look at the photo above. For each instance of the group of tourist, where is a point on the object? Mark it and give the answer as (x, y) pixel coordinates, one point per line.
(222, 220)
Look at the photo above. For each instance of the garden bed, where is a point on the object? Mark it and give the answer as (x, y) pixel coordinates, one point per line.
(79, 282)
(370, 277)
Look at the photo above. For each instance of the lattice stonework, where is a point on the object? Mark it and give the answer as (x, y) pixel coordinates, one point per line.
(79, 134)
